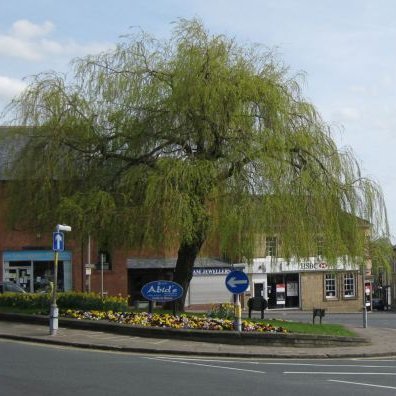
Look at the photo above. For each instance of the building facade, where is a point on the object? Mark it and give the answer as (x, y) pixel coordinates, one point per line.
(307, 284)
(27, 258)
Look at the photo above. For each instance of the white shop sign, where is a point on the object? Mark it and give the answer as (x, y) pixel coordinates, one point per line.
(270, 265)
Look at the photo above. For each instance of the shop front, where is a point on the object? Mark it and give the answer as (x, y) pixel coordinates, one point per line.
(34, 269)
(306, 284)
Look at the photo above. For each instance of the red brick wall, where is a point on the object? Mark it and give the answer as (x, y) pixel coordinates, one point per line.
(115, 280)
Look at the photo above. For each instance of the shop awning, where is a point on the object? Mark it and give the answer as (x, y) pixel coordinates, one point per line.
(35, 255)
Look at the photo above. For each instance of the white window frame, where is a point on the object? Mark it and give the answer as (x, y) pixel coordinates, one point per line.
(330, 285)
(271, 246)
(349, 283)
(319, 247)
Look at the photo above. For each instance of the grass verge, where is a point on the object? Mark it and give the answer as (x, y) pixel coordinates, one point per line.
(308, 328)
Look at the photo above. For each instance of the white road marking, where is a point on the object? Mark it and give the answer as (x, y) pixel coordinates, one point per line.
(273, 363)
(363, 384)
(384, 359)
(198, 359)
(207, 365)
(334, 373)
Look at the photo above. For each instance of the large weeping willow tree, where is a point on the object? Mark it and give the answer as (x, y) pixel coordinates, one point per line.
(185, 142)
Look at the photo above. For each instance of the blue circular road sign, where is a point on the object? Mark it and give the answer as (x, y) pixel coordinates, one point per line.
(237, 282)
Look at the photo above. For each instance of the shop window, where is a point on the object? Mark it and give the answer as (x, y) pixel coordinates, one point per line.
(330, 286)
(271, 246)
(103, 255)
(349, 285)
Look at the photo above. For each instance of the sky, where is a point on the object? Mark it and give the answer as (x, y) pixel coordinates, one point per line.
(346, 48)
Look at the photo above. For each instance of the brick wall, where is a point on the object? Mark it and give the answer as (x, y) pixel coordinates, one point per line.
(313, 296)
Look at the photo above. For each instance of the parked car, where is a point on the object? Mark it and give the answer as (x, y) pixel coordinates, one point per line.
(11, 287)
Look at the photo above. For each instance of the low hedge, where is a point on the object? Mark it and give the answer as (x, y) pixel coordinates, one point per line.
(67, 300)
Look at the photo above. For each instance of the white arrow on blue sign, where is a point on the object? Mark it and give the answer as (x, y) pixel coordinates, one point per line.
(58, 241)
(237, 282)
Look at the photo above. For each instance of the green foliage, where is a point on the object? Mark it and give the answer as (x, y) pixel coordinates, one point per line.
(222, 311)
(69, 300)
(39, 301)
(381, 254)
(309, 328)
(87, 301)
(174, 143)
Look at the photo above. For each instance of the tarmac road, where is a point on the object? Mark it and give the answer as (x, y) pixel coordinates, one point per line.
(41, 370)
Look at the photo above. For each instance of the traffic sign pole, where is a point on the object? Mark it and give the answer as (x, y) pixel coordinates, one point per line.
(54, 311)
(237, 282)
(238, 313)
(58, 244)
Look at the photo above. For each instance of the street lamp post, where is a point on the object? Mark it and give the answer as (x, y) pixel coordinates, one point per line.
(364, 297)
(58, 245)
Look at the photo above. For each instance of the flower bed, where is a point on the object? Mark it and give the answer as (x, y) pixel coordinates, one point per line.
(182, 321)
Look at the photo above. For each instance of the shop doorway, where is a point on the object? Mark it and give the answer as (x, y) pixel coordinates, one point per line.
(283, 290)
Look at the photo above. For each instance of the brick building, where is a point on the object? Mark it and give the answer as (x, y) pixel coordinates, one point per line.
(26, 258)
(307, 284)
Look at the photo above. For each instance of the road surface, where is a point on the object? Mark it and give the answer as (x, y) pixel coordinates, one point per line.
(41, 370)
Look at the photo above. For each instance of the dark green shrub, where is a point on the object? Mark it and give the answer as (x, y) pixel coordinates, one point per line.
(40, 301)
(68, 300)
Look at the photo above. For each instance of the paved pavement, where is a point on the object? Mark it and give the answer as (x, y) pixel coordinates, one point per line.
(382, 343)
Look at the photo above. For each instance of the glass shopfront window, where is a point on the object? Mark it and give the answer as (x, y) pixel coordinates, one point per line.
(33, 270)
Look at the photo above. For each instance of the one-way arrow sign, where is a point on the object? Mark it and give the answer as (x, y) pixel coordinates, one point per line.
(237, 282)
(58, 242)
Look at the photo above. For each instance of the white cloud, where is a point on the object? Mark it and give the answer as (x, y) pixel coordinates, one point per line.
(25, 29)
(16, 48)
(31, 42)
(10, 87)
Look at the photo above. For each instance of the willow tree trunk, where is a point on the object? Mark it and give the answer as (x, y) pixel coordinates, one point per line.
(184, 268)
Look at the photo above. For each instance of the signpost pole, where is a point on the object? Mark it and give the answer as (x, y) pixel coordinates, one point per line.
(58, 245)
(237, 282)
(238, 313)
(364, 297)
(54, 312)
(101, 274)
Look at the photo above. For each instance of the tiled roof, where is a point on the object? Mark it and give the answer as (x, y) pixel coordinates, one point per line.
(200, 262)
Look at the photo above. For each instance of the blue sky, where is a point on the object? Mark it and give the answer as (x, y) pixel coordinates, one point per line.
(347, 48)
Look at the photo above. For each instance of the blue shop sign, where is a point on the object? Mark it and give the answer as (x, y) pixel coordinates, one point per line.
(162, 291)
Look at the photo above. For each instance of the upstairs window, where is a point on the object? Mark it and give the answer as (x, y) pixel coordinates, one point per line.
(271, 246)
(319, 247)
